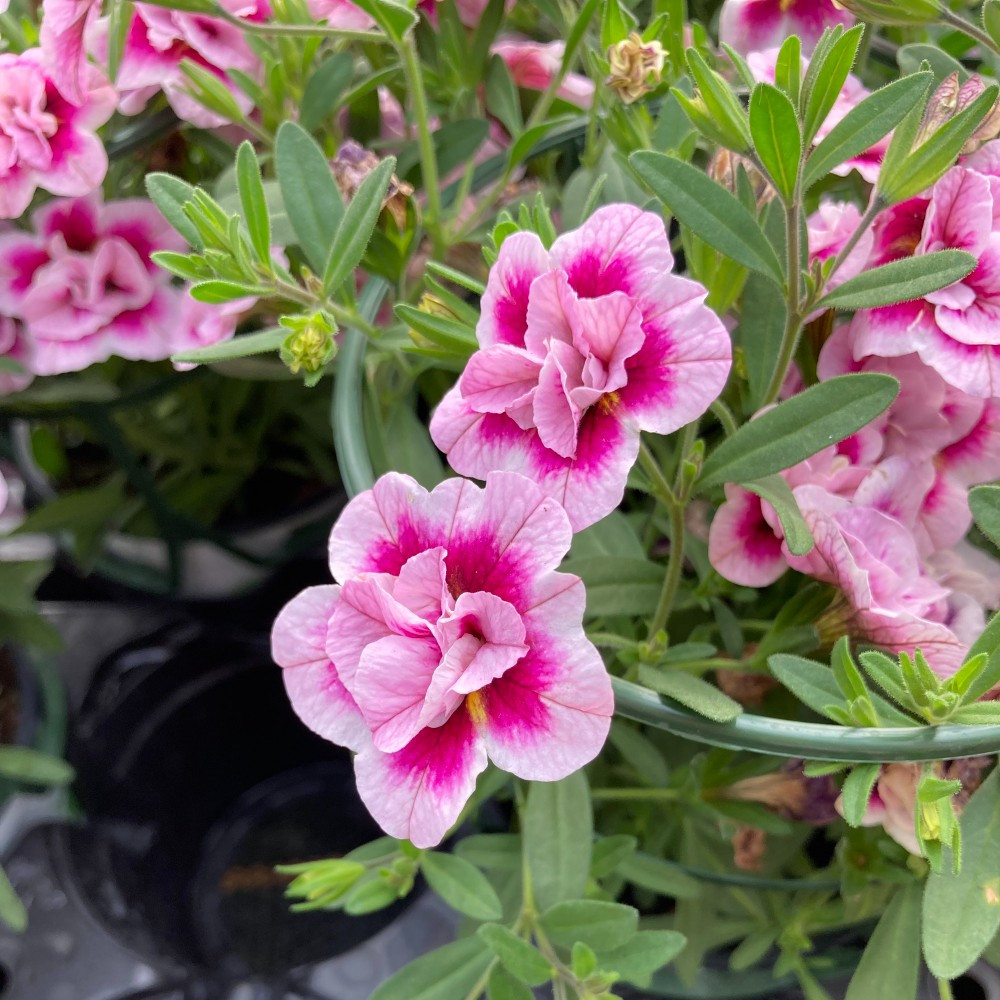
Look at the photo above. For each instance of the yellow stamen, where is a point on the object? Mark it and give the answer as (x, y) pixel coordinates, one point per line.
(477, 709)
(608, 402)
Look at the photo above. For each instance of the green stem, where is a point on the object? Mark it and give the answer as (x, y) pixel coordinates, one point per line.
(793, 321)
(675, 567)
(944, 989)
(428, 158)
(303, 297)
(652, 469)
(725, 417)
(867, 219)
(958, 22)
(481, 983)
(628, 794)
(271, 28)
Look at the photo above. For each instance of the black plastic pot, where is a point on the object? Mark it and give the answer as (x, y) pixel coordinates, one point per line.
(197, 778)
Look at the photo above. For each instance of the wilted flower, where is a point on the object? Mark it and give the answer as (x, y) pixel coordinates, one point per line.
(636, 67)
(353, 163)
(725, 167)
(582, 347)
(950, 99)
(450, 641)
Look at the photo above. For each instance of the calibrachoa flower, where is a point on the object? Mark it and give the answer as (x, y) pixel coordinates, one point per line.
(533, 64)
(582, 347)
(14, 346)
(449, 641)
(83, 287)
(64, 25)
(753, 25)
(46, 141)
(159, 39)
(953, 330)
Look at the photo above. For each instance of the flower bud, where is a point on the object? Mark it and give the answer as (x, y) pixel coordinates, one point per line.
(894, 12)
(353, 163)
(310, 345)
(949, 100)
(636, 67)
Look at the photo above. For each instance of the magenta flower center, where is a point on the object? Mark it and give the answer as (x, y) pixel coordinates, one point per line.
(25, 125)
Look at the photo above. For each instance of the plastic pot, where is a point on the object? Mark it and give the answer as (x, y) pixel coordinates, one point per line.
(197, 779)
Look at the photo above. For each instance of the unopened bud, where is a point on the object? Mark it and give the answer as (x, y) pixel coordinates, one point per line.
(636, 67)
(948, 100)
(893, 12)
(310, 346)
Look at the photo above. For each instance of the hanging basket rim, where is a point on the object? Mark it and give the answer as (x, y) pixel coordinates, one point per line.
(754, 733)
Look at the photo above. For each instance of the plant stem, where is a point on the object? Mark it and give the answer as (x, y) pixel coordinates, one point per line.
(481, 983)
(867, 219)
(652, 469)
(793, 321)
(725, 417)
(428, 158)
(625, 794)
(944, 989)
(301, 296)
(675, 566)
(968, 28)
(272, 28)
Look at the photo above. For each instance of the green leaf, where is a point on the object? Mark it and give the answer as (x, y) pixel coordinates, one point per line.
(34, 767)
(692, 692)
(887, 674)
(502, 99)
(873, 119)
(309, 192)
(776, 491)
(615, 587)
(492, 851)
(788, 71)
(252, 201)
(169, 194)
(95, 505)
(525, 143)
(263, 342)
(12, 910)
(929, 161)
(517, 956)
(901, 280)
(991, 19)
(323, 89)
(636, 961)
(558, 836)
(890, 965)
(717, 216)
(799, 427)
(209, 90)
(981, 713)
(962, 912)
(443, 974)
(224, 291)
(461, 885)
(594, 922)
(815, 685)
(395, 19)
(355, 228)
(18, 583)
(857, 791)
(369, 896)
(610, 852)
(614, 26)
(985, 504)
(829, 80)
(910, 57)
(662, 877)
(775, 129)
(640, 753)
(503, 986)
(720, 103)
(761, 329)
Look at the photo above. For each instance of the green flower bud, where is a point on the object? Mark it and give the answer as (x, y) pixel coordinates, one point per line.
(310, 346)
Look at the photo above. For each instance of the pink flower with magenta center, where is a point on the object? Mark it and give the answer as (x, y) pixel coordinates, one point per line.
(753, 25)
(533, 64)
(45, 140)
(582, 347)
(450, 641)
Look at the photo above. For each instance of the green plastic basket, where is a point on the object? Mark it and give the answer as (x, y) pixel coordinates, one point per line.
(781, 737)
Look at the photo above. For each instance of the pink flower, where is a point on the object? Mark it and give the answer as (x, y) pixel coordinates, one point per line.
(202, 325)
(829, 228)
(867, 164)
(753, 25)
(952, 330)
(46, 141)
(470, 12)
(84, 287)
(159, 39)
(340, 14)
(450, 640)
(582, 347)
(743, 544)
(533, 64)
(893, 804)
(15, 347)
(64, 23)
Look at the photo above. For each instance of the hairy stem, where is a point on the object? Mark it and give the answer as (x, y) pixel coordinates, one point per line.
(675, 567)
(968, 28)
(273, 28)
(627, 794)
(944, 989)
(793, 321)
(867, 219)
